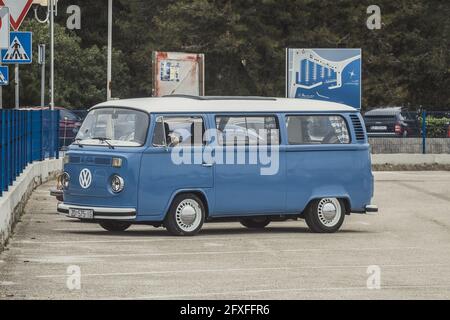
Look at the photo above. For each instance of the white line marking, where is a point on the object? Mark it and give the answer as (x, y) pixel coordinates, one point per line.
(265, 291)
(184, 271)
(167, 238)
(158, 254)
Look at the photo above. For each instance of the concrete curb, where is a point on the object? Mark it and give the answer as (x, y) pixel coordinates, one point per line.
(410, 162)
(12, 203)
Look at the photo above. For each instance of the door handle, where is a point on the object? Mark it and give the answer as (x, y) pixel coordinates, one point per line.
(207, 164)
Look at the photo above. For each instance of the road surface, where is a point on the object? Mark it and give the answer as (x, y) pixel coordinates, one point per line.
(408, 242)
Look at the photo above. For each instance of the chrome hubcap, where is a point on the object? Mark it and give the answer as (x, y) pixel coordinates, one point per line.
(188, 215)
(329, 211)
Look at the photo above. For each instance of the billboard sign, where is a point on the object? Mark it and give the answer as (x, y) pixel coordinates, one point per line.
(178, 73)
(324, 74)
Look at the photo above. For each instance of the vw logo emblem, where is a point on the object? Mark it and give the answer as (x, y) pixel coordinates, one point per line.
(85, 178)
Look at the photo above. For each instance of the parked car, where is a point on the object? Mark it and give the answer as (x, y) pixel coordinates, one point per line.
(69, 124)
(392, 121)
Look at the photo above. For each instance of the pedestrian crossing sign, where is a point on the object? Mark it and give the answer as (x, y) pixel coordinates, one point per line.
(20, 49)
(4, 76)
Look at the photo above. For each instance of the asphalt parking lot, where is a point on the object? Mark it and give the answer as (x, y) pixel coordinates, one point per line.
(409, 241)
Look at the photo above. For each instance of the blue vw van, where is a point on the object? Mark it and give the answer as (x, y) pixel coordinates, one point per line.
(180, 161)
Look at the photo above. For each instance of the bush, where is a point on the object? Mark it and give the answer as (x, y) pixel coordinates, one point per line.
(437, 127)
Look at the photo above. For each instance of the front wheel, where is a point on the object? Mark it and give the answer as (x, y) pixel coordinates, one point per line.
(115, 226)
(186, 215)
(325, 215)
(255, 223)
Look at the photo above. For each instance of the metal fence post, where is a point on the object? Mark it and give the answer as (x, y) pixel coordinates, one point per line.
(41, 131)
(10, 149)
(8, 154)
(2, 150)
(21, 154)
(56, 131)
(29, 135)
(424, 132)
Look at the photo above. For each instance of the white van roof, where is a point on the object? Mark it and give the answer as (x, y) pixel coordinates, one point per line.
(181, 103)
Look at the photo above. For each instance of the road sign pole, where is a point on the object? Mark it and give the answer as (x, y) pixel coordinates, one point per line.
(109, 71)
(42, 63)
(16, 83)
(43, 85)
(52, 52)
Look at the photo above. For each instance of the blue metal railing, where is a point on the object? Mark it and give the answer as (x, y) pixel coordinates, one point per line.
(25, 136)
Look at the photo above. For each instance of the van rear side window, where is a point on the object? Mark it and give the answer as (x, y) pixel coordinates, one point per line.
(317, 130)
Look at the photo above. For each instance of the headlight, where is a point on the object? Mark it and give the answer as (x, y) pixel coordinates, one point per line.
(66, 159)
(64, 180)
(117, 183)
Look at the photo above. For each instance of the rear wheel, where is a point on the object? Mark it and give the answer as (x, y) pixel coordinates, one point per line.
(115, 226)
(186, 215)
(255, 223)
(325, 215)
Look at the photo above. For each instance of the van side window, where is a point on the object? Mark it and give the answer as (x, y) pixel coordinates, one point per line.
(178, 130)
(317, 130)
(247, 130)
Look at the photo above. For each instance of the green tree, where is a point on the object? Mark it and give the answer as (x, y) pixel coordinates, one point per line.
(406, 63)
(80, 73)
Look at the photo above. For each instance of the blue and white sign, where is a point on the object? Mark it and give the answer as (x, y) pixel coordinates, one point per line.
(4, 76)
(20, 49)
(325, 74)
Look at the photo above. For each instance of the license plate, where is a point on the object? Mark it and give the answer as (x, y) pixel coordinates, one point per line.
(378, 128)
(81, 213)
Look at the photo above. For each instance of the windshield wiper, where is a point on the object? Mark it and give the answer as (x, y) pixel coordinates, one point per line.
(105, 140)
(77, 140)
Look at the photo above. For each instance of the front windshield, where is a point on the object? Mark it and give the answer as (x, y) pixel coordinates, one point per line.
(119, 126)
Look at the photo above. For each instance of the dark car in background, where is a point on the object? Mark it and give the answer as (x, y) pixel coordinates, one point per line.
(69, 124)
(392, 122)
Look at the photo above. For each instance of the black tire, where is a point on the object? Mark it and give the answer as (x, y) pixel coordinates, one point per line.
(115, 226)
(189, 223)
(255, 223)
(316, 218)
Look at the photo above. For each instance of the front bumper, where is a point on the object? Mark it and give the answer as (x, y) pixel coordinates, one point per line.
(101, 213)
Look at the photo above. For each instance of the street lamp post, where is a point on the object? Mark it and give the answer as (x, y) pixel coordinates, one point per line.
(52, 55)
(109, 67)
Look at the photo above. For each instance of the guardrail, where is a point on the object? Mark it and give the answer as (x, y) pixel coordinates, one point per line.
(25, 136)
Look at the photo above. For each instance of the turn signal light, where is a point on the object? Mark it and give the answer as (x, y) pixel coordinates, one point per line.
(117, 162)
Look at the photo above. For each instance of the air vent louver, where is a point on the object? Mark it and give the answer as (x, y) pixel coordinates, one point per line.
(359, 130)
